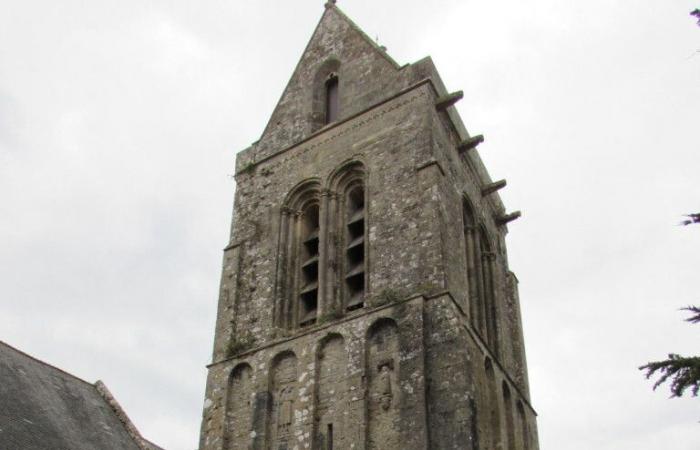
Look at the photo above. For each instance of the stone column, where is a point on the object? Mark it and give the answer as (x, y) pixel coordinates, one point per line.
(293, 271)
(281, 289)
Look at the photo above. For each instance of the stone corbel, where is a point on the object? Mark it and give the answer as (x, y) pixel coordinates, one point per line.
(444, 102)
(470, 143)
(506, 218)
(493, 187)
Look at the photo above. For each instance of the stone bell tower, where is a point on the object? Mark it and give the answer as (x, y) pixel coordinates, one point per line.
(366, 300)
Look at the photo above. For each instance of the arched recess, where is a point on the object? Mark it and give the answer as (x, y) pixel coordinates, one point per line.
(524, 429)
(326, 94)
(239, 408)
(283, 389)
(382, 371)
(330, 428)
(508, 410)
(348, 229)
(473, 271)
(300, 247)
(494, 415)
(488, 258)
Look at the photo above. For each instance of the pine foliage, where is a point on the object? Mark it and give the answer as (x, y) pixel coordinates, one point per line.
(683, 372)
(691, 218)
(695, 318)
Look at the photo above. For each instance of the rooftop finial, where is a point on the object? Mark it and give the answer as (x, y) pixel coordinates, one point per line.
(329, 3)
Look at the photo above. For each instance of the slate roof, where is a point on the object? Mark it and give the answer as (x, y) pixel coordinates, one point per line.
(43, 407)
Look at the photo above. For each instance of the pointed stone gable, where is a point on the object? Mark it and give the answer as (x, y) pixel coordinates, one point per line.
(366, 75)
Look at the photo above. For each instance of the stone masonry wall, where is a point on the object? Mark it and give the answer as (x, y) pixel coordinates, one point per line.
(411, 368)
(354, 394)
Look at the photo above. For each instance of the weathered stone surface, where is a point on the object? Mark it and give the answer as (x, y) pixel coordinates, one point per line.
(366, 300)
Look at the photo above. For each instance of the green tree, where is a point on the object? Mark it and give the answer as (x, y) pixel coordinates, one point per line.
(683, 372)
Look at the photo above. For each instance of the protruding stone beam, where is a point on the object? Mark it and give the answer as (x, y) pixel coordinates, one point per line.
(448, 100)
(493, 187)
(506, 218)
(470, 143)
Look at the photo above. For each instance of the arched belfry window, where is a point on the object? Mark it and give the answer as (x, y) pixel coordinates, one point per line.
(480, 260)
(322, 250)
(332, 98)
(298, 285)
(349, 225)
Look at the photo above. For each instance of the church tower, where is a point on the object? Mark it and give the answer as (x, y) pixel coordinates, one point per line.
(366, 301)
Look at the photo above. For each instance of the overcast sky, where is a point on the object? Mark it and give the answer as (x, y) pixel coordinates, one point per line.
(119, 124)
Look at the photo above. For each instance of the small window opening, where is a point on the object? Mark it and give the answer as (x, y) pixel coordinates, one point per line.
(329, 437)
(308, 304)
(355, 249)
(332, 98)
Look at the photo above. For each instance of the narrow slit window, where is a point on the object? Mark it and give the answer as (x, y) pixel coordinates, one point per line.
(330, 437)
(332, 99)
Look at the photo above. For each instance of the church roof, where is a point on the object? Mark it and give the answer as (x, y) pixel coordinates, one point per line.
(43, 407)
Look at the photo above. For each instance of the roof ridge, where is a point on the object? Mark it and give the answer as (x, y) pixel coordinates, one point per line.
(131, 429)
(33, 358)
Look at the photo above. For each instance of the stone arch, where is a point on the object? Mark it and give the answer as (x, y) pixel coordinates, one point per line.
(382, 370)
(348, 215)
(283, 397)
(508, 410)
(327, 71)
(331, 403)
(297, 284)
(238, 408)
(304, 191)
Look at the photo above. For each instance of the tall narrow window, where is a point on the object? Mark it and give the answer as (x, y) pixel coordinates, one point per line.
(489, 327)
(332, 98)
(355, 248)
(309, 253)
(472, 259)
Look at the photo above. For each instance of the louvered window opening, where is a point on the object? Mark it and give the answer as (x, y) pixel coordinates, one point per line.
(355, 249)
(309, 252)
